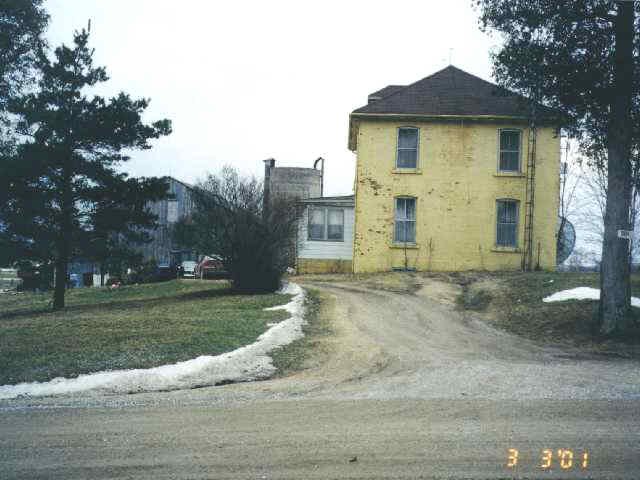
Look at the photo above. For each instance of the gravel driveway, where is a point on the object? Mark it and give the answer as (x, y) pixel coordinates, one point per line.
(399, 345)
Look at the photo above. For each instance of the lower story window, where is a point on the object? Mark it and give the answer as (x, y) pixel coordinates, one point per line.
(405, 221)
(326, 224)
(507, 223)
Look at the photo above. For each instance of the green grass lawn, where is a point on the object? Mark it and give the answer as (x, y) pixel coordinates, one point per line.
(513, 302)
(138, 326)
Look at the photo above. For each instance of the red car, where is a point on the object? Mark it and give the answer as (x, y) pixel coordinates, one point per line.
(210, 267)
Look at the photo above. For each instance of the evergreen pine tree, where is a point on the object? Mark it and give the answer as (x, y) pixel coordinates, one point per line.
(62, 191)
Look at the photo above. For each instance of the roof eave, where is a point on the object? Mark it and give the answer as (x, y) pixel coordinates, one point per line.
(184, 184)
(355, 117)
(421, 116)
(328, 204)
(329, 201)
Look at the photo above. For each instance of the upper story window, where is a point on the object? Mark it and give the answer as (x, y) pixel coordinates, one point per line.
(326, 224)
(405, 220)
(407, 155)
(510, 143)
(507, 223)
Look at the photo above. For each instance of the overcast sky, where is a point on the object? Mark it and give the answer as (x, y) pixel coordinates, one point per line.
(244, 81)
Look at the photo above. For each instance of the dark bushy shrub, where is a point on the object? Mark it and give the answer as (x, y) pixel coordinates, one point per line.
(146, 272)
(230, 221)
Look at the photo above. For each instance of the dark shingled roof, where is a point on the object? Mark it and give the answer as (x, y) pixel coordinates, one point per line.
(385, 92)
(452, 91)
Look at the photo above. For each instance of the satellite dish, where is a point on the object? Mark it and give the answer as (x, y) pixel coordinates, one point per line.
(566, 239)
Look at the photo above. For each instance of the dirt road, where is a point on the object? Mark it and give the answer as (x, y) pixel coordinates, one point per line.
(406, 386)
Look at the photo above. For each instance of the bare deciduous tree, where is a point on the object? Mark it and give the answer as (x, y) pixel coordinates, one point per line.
(570, 181)
(592, 205)
(230, 221)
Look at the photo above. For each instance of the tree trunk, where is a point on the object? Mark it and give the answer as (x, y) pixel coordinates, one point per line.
(66, 226)
(60, 283)
(633, 215)
(614, 276)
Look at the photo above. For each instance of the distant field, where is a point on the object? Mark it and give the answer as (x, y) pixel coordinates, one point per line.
(513, 302)
(138, 326)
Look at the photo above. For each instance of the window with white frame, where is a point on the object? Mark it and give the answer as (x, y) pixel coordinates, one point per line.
(335, 224)
(510, 142)
(317, 220)
(405, 220)
(507, 223)
(326, 224)
(407, 154)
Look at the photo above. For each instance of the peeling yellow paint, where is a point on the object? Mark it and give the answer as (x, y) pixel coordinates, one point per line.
(456, 185)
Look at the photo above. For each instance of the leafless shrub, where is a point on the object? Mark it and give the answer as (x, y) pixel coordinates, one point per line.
(230, 221)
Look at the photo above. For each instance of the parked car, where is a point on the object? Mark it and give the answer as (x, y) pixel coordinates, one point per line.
(211, 267)
(165, 272)
(188, 269)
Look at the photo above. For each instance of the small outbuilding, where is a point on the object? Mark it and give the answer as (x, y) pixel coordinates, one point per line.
(325, 235)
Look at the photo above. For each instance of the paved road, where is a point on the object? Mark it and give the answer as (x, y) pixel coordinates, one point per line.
(406, 385)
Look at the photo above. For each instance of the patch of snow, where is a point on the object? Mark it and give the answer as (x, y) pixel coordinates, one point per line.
(582, 293)
(247, 363)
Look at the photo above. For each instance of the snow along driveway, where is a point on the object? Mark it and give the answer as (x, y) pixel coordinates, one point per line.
(248, 363)
(387, 345)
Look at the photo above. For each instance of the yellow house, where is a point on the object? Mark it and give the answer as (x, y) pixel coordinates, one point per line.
(454, 173)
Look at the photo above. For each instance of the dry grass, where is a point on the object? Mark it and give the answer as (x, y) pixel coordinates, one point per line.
(513, 301)
(399, 282)
(301, 353)
(137, 326)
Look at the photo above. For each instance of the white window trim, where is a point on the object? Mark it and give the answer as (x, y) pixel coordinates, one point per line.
(517, 202)
(521, 134)
(408, 127)
(326, 225)
(415, 220)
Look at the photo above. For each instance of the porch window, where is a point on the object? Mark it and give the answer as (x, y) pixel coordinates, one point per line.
(335, 225)
(316, 223)
(326, 224)
(405, 220)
